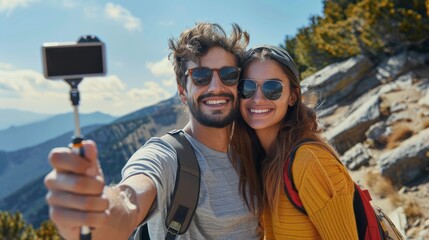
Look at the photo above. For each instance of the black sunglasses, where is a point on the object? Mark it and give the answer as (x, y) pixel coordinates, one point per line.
(271, 88)
(202, 76)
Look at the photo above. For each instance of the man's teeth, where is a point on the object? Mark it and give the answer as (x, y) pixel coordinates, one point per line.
(213, 102)
(259, 110)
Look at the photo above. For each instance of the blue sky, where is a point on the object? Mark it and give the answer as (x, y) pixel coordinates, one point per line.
(135, 33)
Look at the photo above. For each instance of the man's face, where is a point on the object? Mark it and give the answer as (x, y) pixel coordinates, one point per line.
(213, 105)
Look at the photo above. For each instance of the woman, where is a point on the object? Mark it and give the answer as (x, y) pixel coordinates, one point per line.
(273, 121)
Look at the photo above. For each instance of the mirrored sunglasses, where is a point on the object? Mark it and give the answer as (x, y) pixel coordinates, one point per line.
(272, 88)
(202, 76)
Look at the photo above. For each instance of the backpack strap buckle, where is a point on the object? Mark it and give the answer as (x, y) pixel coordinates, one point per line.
(173, 230)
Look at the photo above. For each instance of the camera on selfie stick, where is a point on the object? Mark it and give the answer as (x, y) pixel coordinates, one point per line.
(72, 62)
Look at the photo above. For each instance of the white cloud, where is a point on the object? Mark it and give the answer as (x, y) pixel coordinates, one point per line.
(151, 92)
(163, 69)
(26, 83)
(29, 90)
(5, 66)
(122, 15)
(171, 82)
(109, 88)
(9, 5)
(110, 94)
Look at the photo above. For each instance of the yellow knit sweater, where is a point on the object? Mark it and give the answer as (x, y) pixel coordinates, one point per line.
(326, 191)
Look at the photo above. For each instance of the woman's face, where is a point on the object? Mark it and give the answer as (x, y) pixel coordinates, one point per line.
(259, 112)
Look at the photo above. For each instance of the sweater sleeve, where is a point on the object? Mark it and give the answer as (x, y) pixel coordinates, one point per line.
(326, 191)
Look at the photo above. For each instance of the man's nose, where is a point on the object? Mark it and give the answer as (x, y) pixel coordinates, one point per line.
(216, 83)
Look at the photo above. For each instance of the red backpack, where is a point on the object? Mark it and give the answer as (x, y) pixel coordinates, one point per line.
(371, 222)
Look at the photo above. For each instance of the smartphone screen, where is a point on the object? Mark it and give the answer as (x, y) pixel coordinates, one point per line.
(73, 60)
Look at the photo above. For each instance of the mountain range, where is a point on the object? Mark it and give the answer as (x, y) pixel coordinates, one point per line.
(31, 134)
(17, 168)
(13, 117)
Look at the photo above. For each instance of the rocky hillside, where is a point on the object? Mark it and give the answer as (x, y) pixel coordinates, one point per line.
(377, 117)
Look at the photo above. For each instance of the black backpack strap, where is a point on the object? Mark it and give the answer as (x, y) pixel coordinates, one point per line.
(187, 187)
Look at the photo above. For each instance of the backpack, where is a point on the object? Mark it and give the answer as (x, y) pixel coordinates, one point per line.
(371, 222)
(185, 198)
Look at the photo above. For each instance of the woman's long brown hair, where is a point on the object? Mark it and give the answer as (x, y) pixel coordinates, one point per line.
(261, 173)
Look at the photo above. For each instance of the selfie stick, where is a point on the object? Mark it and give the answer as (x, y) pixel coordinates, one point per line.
(77, 146)
(85, 232)
(72, 62)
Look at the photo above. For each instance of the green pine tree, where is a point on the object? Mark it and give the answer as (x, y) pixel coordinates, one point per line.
(47, 231)
(14, 227)
(374, 28)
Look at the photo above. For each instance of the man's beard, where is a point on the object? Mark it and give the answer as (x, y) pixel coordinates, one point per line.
(213, 121)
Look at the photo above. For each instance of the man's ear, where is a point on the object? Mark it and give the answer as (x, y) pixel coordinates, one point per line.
(182, 93)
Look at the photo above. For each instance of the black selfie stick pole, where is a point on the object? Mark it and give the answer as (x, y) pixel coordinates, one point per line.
(74, 97)
(85, 232)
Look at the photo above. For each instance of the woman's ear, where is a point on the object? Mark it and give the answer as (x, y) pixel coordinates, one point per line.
(293, 97)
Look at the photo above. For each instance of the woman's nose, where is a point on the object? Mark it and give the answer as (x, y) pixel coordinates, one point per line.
(259, 95)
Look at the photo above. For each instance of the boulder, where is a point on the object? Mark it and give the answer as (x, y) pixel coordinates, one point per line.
(378, 133)
(356, 157)
(337, 80)
(399, 117)
(398, 64)
(351, 129)
(326, 111)
(408, 161)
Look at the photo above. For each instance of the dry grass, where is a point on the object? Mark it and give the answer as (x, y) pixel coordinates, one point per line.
(400, 133)
(383, 188)
(411, 208)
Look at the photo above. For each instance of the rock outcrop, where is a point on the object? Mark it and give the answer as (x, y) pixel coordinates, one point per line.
(382, 107)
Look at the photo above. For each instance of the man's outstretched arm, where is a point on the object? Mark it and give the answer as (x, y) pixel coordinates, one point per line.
(78, 197)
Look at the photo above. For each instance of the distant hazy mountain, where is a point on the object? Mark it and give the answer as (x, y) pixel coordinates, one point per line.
(15, 138)
(12, 117)
(19, 167)
(116, 142)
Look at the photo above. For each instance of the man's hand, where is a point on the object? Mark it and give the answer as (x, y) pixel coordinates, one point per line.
(75, 190)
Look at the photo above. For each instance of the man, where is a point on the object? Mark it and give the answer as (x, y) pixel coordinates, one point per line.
(205, 63)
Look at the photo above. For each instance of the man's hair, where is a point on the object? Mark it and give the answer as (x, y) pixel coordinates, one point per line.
(195, 42)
